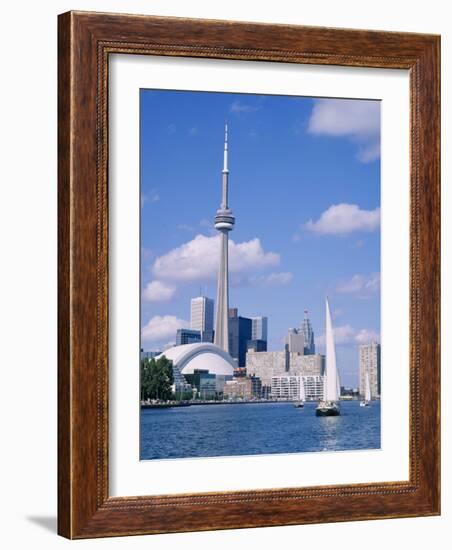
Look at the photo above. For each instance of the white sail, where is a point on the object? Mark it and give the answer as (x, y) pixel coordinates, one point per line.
(367, 395)
(331, 391)
(302, 390)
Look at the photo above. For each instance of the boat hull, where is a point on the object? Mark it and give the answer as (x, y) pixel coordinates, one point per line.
(327, 410)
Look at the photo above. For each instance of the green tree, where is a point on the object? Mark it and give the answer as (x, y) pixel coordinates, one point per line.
(156, 378)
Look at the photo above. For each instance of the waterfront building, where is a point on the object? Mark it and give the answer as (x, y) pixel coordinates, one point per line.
(224, 222)
(248, 387)
(295, 341)
(288, 387)
(370, 364)
(187, 336)
(285, 387)
(256, 345)
(201, 317)
(204, 384)
(240, 331)
(180, 384)
(313, 387)
(259, 328)
(313, 365)
(308, 333)
(266, 365)
(201, 356)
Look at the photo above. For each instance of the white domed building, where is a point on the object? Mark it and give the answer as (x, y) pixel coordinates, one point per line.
(203, 365)
(201, 357)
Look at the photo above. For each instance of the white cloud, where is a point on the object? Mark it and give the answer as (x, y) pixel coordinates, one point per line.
(357, 119)
(345, 218)
(158, 291)
(346, 335)
(365, 336)
(240, 107)
(194, 131)
(343, 334)
(197, 259)
(361, 285)
(281, 278)
(159, 329)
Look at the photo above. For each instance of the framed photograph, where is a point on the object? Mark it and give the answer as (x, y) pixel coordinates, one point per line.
(248, 275)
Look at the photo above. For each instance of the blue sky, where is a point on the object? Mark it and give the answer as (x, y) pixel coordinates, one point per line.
(304, 186)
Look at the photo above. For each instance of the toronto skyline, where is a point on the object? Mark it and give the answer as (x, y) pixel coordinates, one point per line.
(305, 179)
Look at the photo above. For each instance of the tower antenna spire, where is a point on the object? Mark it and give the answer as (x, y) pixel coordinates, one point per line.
(224, 200)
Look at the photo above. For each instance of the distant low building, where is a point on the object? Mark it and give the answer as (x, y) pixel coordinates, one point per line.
(285, 387)
(180, 384)
(288, 387)
(204, 383)
(242, 388)
(313, 387)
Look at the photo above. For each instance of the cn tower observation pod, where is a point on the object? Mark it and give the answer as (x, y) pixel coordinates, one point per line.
(202, 356)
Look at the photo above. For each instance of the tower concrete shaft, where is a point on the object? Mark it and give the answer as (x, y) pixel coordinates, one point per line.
(224, 222)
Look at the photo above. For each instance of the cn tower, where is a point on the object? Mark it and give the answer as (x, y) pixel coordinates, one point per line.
(224, 222)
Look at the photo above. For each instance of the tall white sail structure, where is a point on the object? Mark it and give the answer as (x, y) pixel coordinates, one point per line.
(224, 222)
(331, 380)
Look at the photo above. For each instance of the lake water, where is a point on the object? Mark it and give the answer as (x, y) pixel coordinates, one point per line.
(249, 429)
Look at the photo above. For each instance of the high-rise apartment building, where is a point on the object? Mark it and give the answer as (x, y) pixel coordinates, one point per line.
(370, 365)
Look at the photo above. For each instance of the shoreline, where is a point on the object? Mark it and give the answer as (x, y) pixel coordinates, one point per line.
(250, 402)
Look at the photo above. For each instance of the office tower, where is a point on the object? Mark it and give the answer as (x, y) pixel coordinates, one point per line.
(295, 341)
(308, 333)
(187, 336)
(201, 317)
(370, 365)
(256, 345)
(259, 328)
(240, 329)
(224, 222)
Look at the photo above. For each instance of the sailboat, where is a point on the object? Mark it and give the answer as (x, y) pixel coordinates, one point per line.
(329, 405)
(367, 395)
(301, 396)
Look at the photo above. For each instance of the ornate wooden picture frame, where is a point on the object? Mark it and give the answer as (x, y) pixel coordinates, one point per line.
(86, 41)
